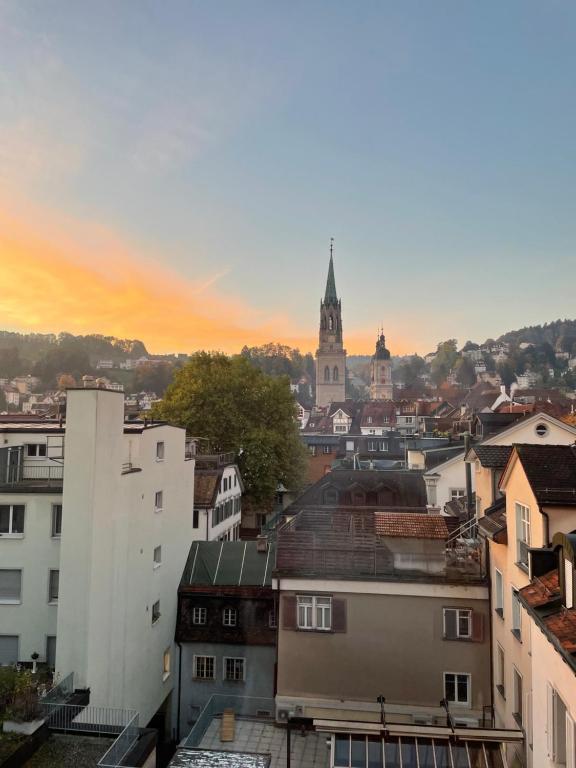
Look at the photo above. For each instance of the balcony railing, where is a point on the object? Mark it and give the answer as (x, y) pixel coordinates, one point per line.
(101, 721)
(243, 706)
(116, 755)
(44, 474)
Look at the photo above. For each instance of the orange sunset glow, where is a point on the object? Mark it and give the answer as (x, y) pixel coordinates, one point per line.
(63, 276)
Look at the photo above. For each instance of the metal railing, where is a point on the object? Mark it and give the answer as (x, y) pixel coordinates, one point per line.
(253, 707)
(49, 473)
(60, 692)
(126, 740)
(101, 721)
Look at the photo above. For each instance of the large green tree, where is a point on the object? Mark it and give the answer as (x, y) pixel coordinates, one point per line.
(233, 406)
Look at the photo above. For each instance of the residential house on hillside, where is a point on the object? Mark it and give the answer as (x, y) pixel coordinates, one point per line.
(539, 487)
(226, 625)
(217, 497)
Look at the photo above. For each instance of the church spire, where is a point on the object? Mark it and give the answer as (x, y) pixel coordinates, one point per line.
(330, 296)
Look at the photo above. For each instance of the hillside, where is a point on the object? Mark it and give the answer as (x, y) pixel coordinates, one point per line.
(32, 347)
(560, 334)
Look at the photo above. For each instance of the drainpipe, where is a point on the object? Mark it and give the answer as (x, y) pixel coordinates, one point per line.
(179, 690)
(207, 513)
(546, 527)
(490, 619)
(468, 477)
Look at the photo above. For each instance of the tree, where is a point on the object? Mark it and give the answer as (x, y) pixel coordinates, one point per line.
(65, 359)
(236, 407)
(153, 377)
(10, 363)
(65, 381)
(446, 356)
(465, 372)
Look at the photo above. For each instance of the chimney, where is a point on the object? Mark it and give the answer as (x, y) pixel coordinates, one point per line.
(262, 544)
(469, 504)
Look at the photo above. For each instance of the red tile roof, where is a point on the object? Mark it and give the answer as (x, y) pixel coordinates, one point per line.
(563, 626)
(412, 526)
(542, 590)
(205, 487)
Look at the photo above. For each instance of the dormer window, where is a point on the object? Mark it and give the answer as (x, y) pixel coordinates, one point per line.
(369, 419)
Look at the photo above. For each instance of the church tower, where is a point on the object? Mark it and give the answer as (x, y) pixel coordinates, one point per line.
(381, 372)
(330, 355)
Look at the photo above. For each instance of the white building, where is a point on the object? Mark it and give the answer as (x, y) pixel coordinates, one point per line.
(94, 540)
(217, 498)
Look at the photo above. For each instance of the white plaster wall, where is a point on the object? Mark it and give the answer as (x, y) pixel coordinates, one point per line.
(36, 553)
(548, 667)
(108, 580)
(235, 491)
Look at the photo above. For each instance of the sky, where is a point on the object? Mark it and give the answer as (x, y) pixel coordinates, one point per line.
(173, 170)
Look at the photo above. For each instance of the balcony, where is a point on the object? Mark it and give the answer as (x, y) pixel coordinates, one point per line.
(24, 476)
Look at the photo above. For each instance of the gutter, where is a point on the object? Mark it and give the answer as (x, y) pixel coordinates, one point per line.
(179, 690)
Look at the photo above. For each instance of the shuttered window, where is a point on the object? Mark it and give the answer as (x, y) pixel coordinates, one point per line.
(321, 613)
(10, 585)
(8, 650)
(463, 624)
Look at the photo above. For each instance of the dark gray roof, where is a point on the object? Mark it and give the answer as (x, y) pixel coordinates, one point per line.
(494, 520)
(401, 487)
(494, 456)
(229, 563)
(551, 472)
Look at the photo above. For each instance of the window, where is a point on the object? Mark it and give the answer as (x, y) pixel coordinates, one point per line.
(369, 420)
(335, 373)
(457, 688)
(9, 651)
(522, 534)
(198, 615)
(457, 623)
(234, 669)
(560, 730)
(327, 373)
(372, 445)
(349, 445)
(383, 445)
(500, 672)
(229, 617)
(10, 585)
(195, 518)
(314, 612)
(51, 651)
(516, 615)
(56, 520)
(158, 501)
(541, 430)
(11, 519)
(156, 612)
(36, 450)
(498, 593)
(204, 667)
(517, 694)
(340, 428)
(327, 449)
(157, 556)
(53, 584)
(272, 622)
(166, 664)
(160, 451)
(457, 493)
(312, 449)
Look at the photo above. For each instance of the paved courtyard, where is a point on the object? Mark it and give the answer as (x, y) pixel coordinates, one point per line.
(308, 751)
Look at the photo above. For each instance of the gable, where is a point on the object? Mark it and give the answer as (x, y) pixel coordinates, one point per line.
(524, 431)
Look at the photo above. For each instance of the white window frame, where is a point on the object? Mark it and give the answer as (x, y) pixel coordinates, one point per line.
(158, 497)
(516, 614)
(455, 675)
(13, 601)
(517, 706)
(11, 534)
(523, 528)
(157, 562)
(166, 664)
(56, 535)
(156, 614)
(234, 659)
(457, 493)
(500, 670)
(160, 450)
(499, 592)
(36, 454)
(51, 599)
(460, 613)
(313, 607)
(201, 659)
(229, 617)
(199, 615)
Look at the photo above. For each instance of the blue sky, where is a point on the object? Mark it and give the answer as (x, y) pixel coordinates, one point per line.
(226, 141)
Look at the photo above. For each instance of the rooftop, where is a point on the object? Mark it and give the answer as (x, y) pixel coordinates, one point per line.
(229, 563)
(551, 472)
(492, 456)
(412, 526)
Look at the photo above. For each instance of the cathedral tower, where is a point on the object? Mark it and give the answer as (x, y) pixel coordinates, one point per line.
(381, 372)
(330, 355)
